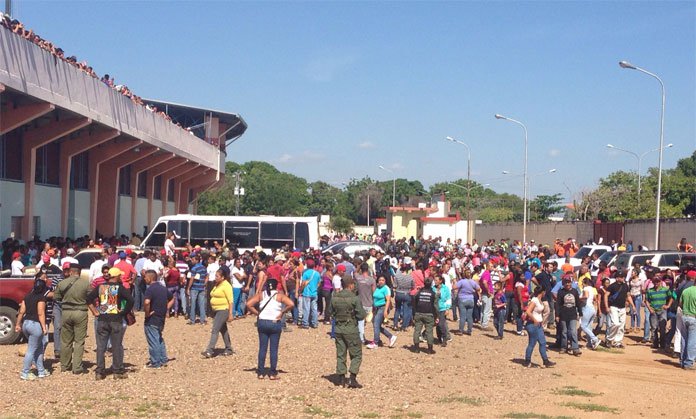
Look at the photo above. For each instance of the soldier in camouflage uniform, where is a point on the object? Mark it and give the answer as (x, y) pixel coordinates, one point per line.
(346, 309)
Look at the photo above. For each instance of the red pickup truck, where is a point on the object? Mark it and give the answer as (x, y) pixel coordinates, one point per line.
(12, 292)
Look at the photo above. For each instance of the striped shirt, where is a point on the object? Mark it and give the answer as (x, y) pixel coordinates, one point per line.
(198, 275)
(658, 298)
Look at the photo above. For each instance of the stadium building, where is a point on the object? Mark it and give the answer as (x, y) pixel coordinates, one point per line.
(79, 157)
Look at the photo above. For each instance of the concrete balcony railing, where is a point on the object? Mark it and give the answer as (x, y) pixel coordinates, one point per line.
(27, 68)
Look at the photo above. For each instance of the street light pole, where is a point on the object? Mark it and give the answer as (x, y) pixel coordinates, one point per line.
(393, 184)
(468, 175)
(524, 210)
(639, 158)
(626, 64)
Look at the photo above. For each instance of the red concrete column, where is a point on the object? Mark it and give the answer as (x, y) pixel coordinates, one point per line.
(183, 176)
(136, 170)
(165, 183)
(14, 117)
(32, 140)
(70, 149)
(152, 173)
(97, 156)
(109, 176)
(199, 184)
(186, 185)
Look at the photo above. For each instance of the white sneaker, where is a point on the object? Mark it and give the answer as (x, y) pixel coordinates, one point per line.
(392, 341)
(371, 345)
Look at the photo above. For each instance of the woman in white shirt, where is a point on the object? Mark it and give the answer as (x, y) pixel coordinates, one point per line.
(589, 312)
(535, 330)
(269, 305)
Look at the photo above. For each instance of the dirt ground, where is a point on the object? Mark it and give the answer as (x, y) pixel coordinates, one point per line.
(474, 376)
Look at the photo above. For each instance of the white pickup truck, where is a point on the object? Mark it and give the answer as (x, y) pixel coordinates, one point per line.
(587, 250)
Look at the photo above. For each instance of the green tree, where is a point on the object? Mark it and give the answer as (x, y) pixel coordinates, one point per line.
(341, 224)
(544, 206)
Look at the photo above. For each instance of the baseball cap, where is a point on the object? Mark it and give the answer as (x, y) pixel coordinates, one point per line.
(115, 272)
(66, 265)
(15, 255)
(309, 263)
(70, 251)
(122, 254)
(691, 274)
(341, 268)
(407, 260)
(279, 257)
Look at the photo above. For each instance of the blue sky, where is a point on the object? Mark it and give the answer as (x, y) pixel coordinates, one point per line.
(331, 90)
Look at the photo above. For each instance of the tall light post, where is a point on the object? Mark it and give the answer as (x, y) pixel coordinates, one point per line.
(638, 157)
(626, 64)
(524, 210)
(533, 175)
(468, 173)
(393, 184)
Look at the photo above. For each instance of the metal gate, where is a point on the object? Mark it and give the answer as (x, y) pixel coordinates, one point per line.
(608, 231)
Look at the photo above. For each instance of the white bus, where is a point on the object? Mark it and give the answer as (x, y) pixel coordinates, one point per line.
(245, 233)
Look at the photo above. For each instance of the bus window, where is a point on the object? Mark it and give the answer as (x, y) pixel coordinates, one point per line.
(205, 230)
(242, 234)
(301, 236)
(156, 238)
(276, 235)
(182, 230)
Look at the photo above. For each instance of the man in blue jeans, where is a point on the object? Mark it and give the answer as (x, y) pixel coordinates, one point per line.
(158, 300)
(309, 287)
(196, 289)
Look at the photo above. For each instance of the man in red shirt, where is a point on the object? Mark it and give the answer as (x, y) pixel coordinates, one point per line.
(127, 269)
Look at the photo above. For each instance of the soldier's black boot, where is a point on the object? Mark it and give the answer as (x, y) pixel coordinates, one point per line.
(430, 350)
(353, 382)
(342, 381)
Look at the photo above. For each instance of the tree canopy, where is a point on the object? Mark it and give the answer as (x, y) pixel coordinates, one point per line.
(270, 191)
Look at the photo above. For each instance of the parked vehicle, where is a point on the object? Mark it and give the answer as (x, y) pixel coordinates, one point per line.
(661, 259)
(245, 233)
(587, 250)
(350, 247)
(12, 292)
(608, 257)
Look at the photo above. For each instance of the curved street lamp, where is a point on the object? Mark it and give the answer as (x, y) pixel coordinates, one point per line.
(628, 65)
(639, 157)
(524, 215)
(468, 172)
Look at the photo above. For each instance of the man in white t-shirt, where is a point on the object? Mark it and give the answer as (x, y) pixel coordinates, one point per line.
(70, 257)
(95, 269)
(154, 264)
(17, 265)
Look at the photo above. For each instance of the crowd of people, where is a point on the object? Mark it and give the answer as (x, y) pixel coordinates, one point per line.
(416, 287)
(19, 29)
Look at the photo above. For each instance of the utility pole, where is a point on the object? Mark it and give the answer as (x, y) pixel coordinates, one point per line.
(8, 7)
(237, 190)
(368, 206)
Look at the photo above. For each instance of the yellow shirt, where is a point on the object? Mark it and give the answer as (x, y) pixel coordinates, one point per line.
(221, 296)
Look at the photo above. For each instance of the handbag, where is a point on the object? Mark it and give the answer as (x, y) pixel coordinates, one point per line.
(130, 318)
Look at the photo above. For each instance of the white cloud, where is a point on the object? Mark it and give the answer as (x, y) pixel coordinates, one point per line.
(554, 152)
(367, 145)
(326, 68)
(304, 157)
